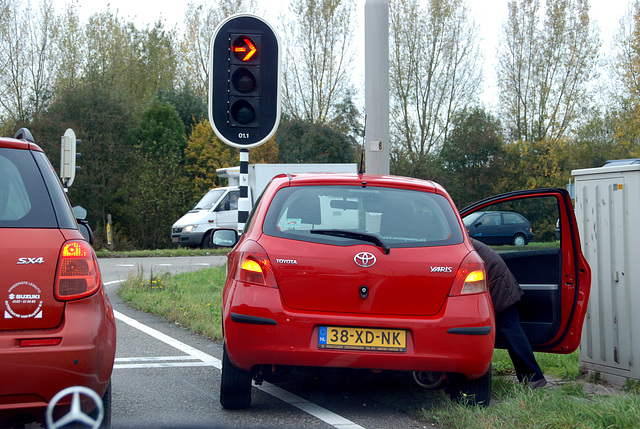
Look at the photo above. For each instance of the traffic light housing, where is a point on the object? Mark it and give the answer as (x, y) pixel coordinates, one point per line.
(244, 81)
(68, 157)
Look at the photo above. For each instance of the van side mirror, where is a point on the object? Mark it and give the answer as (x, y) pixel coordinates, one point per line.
(224, 237)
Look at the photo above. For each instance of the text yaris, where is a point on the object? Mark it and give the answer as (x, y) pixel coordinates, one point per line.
(25, 261)
(441, 269)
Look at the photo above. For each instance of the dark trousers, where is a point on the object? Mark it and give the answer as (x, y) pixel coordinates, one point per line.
(511, 336)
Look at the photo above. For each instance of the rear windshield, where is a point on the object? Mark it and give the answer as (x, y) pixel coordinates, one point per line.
(400, 218)
(24, 200)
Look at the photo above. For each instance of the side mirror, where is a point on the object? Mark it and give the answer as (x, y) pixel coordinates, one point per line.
(224, 237)
(83, 226)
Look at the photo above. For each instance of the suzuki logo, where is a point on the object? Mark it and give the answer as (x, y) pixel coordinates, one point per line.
(364, 259)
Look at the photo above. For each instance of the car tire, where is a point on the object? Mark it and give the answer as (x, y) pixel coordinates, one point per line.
(235, 386)
(106, 405)
(473, 392)
(519, 240)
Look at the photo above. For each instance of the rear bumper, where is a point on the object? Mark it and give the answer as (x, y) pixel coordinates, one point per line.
(31, 376)
(459, 339)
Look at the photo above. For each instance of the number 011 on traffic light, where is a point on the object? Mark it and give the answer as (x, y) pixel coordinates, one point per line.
(244, 81)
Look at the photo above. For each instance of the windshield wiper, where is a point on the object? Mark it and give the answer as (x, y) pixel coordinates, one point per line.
(371, 238)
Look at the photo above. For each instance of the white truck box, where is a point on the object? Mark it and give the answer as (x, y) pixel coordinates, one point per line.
(218, 208)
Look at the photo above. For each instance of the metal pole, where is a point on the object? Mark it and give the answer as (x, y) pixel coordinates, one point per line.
(376, 84)
(243, 201)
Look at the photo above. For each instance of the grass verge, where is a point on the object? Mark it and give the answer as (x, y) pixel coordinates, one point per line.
(518, 407)
(159, 253)
(193, 300)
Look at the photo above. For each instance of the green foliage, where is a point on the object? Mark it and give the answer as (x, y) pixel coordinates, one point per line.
(472, 160)
(99, 118)
(160, 132)
(191, 108)
(156, 188)
(204, 154)
(303, 142)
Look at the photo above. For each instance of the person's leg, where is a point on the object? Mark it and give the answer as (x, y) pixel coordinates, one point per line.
(511, 336)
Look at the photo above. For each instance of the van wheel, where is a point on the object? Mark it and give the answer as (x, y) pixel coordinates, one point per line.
(206, 241)
(472, 392)
(235, 385)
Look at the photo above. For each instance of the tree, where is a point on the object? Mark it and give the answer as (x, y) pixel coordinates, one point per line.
(303, 142)
(191, 108)
(544, 69)
(434, 72)
(156, 191)
(626, 96)
(317, 58)
(100, 119)
(200, 23)
(71, 51)
(27, 57)
(473, 159)
(134, 63)
(205, 153)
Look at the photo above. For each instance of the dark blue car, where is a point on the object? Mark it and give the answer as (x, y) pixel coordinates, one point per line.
(499, 227)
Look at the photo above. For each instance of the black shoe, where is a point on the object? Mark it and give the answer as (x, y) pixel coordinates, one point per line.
(533, 385)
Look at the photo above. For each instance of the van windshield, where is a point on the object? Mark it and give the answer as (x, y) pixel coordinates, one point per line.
(209, 199)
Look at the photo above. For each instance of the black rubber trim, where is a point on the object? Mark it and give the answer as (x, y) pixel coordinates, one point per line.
(479, 330)
(252, 320)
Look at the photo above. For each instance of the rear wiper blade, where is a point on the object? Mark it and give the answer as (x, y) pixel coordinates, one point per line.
(371, 238)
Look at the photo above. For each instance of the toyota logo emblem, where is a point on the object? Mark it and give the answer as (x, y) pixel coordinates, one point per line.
(364, 259)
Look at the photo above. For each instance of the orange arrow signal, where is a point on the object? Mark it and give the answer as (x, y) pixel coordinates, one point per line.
(249, 48)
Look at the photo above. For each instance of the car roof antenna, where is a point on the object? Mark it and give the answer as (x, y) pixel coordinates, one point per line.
(364, 132)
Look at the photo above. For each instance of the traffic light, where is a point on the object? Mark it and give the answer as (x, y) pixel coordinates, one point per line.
(68, 157)
(244, 81)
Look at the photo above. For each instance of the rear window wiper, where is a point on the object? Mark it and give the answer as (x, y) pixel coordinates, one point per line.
(371, 238)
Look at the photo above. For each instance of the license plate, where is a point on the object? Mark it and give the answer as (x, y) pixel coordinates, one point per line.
(175, 239)
(338, 337)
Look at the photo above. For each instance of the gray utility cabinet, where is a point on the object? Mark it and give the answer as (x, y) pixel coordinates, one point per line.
(607, 209)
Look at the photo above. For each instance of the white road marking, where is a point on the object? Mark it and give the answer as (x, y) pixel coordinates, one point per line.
(302, 404)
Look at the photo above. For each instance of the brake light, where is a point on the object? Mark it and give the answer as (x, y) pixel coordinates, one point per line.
(471, 276)
(78, 273)
(254, 265)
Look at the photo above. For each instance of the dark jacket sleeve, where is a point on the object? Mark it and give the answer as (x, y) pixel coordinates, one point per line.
(503, 286)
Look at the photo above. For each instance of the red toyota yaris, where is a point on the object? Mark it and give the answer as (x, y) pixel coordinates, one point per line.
(56, 322)
(378, 272)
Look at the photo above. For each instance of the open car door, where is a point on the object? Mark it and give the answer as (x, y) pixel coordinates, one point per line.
(550, 268)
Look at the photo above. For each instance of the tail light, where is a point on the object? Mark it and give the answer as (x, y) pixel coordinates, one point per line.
(471, 276)
(78, 273)
(253, 265)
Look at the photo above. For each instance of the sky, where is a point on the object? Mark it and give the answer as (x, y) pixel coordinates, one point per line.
(489, 14)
